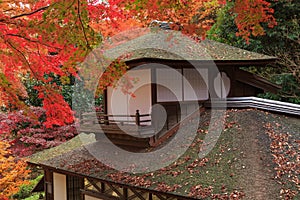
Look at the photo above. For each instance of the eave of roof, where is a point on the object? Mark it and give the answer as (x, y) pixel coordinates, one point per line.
(200, 63)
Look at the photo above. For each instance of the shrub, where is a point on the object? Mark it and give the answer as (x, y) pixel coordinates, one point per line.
(13, 172)
(28, 134)
(25, 190)
(290, 89)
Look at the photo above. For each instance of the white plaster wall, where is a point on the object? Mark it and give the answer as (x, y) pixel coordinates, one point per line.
(141, 101)
(222, 85)
(195, 86)
(169, 85)
(59, 186)
(125, 104)
(191, 86)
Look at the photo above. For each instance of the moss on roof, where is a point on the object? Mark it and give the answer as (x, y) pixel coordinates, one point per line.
(171, 45)
(69, 146)
(221, 51)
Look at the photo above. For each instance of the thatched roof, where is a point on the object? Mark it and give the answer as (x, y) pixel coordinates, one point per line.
(171, 45)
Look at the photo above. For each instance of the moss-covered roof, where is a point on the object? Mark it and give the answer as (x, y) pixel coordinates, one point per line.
(69, 146)
(189, 175)
(170, 45)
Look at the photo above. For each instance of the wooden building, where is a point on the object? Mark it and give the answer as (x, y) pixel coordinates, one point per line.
(168, 71)
(164, 77)
(173, 75)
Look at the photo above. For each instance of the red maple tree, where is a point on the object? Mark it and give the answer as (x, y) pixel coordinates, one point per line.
(52, 37)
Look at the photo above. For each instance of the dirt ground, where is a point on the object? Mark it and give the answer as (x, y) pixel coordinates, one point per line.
(256, 167)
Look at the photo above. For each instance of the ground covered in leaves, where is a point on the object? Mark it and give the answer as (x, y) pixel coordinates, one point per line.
(255, 157)
(267, 147)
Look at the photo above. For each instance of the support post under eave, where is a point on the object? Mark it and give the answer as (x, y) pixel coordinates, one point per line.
(48, 184)
(153, 86)
(105, 109)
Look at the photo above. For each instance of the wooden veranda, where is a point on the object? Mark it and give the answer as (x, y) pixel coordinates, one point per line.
(138, 131)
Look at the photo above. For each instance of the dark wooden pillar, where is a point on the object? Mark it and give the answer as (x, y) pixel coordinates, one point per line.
(233, 83)
(137, 118)
(105, 106)
(153, 86)
(212, 74)
(48, 178)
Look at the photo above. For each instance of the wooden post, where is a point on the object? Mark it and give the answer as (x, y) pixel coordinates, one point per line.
(125, 193)
(137, 118)
(102, 187)
(48, 184)
(177, 120)
(106, 119)
(167, 122)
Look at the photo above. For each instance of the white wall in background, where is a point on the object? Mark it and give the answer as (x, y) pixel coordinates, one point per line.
(59, 186)
(125, 104)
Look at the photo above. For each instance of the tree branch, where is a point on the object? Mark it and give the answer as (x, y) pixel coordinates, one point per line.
(31, 13)
(24, 58)
(82, 26)
(35, 41)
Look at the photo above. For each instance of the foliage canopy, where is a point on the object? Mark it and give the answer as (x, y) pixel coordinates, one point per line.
(52, 36)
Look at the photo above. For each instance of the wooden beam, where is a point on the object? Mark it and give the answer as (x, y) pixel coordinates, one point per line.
(116, 190)
(116, 184)
(256, 81)
(137, 194)
(94, 184)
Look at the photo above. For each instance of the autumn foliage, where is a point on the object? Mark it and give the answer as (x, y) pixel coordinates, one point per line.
(28, 135)
(13, 172)
(251, 15)
(42, 37)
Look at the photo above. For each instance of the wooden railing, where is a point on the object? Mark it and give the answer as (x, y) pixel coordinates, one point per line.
(107, 119)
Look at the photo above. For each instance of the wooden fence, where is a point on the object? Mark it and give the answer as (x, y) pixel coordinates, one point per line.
(102, 118)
